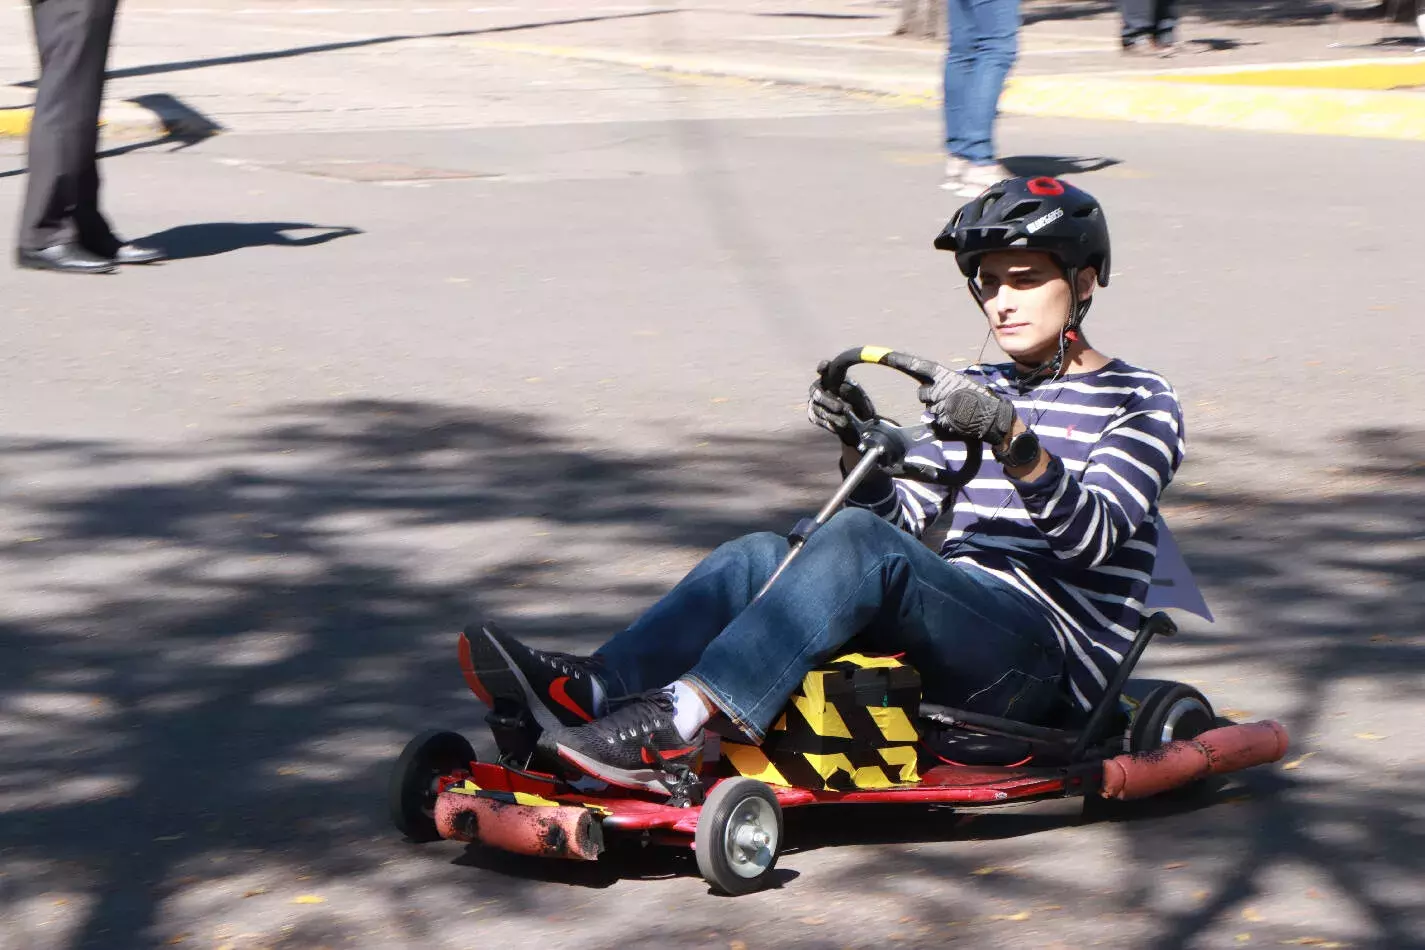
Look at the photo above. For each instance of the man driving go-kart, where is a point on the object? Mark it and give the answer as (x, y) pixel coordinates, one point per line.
(1024, 613)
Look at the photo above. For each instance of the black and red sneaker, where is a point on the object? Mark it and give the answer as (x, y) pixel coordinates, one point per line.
(558, 689)
(635, 746)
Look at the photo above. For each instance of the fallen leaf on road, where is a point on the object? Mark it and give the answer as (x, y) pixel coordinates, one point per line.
(737, 945)
(1236, 713)
(1368, 737)
(988, 869)
(309, 899)
(1296, 763)
(1314, 942)
(1243, 938)
(1250, 913)
(1174, 866)
(1022, 915)
(176, 938)
(814, 921)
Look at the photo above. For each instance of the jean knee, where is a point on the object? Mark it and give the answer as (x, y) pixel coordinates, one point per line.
(756, 550)
(856, 524)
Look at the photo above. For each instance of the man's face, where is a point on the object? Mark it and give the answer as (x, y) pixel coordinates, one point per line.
(1027, 302)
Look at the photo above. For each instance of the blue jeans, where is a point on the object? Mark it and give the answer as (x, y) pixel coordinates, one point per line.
(984, 41)
(978, 643)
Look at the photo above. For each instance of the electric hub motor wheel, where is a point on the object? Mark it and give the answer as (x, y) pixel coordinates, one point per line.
(1171, 711)
(739, 836)
(411, 793)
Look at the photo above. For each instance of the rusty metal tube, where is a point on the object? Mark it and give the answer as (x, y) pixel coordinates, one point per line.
(1227, 749)
(540, 830)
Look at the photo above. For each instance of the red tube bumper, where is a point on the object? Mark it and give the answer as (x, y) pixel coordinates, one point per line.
(1216, 751)
(540, 830)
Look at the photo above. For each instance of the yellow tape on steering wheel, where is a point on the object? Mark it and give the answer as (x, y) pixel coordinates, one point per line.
(874, 354)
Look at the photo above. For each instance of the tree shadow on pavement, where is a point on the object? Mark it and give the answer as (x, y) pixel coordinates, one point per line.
(211, 657)
(222, 237)
(210, 654)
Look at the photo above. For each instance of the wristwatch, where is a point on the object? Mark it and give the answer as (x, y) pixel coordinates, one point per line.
(1023, 450)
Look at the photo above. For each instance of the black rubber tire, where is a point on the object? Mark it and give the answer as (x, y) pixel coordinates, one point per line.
(410, 794)
(710, 838)
(1169, 712)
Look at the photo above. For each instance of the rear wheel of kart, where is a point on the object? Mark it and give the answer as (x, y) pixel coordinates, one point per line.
(739, 836)
(1172, 711)
(411, 792)
(1164, 713)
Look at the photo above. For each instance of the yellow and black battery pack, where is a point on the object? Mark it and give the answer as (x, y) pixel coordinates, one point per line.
(851, 724)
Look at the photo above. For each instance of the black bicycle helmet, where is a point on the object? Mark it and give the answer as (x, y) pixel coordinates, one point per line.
(1033, 214)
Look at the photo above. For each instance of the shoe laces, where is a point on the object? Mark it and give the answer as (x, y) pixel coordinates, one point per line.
(566, 664)
(640, 716)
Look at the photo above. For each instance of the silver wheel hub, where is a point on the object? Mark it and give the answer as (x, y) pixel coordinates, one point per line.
(1176, 712)
(750, 840)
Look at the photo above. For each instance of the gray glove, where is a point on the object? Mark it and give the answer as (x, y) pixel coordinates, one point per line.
(832, 412)
(963, 407)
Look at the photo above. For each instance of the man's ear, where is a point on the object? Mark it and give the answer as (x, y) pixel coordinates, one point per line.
(1088, 279)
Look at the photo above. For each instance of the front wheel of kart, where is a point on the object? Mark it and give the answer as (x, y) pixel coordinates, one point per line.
(739, 836)
(411, 791)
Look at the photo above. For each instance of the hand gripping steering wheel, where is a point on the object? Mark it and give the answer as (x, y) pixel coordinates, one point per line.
(896, 441)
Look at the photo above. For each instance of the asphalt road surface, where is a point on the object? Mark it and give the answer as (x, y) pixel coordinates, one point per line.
(533, 368)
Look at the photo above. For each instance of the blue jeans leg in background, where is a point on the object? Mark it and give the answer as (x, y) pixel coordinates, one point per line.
(977, 643)
(984, 42)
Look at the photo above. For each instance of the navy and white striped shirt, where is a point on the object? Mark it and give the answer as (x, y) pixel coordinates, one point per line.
(1082, 538)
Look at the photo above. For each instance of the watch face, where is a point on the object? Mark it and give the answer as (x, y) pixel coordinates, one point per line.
(1023, 449)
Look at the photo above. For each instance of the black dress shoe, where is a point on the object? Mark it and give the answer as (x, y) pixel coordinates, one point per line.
(138, 254)
(65, 258)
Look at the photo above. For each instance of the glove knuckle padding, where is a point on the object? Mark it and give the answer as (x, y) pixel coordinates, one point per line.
(966, 412)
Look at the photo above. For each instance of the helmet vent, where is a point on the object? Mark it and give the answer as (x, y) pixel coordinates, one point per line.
(1022, 210)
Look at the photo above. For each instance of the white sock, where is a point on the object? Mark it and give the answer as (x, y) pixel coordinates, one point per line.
(690, 713)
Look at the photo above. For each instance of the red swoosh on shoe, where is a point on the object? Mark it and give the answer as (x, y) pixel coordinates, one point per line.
(667, 754)
(560, 695)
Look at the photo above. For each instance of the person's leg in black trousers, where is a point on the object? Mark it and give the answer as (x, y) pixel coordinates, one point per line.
(1147, 21)
(61, 227)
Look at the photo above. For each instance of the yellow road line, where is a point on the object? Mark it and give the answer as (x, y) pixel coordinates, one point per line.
(1343, 112)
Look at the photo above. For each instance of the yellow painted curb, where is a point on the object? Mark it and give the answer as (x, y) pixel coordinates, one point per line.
(1379, 74)
(1384, 115)
(15, 122)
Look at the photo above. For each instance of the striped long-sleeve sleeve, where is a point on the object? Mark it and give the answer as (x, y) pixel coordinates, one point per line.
(1086, 519)
(909, 505)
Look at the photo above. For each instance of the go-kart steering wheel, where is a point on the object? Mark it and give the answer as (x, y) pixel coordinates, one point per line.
(896, 441)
